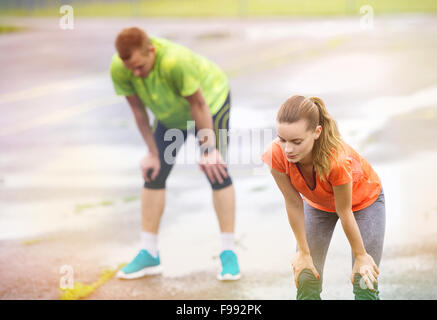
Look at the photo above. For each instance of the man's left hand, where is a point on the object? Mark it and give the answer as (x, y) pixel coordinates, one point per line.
(213, 165)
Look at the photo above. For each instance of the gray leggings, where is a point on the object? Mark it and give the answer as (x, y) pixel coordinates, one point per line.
(319, 227)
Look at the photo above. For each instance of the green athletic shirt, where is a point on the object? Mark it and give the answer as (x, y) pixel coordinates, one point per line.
(178, 72)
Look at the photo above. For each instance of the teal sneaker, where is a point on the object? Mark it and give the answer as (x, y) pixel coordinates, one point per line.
(230, 269)
(143, 264)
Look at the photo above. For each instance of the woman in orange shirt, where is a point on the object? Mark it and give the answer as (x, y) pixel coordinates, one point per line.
(309, 160)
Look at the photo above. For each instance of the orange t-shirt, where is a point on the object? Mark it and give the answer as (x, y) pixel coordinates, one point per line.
(366, 185)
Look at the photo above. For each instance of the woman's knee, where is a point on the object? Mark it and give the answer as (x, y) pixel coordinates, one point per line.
(362, 292)
(309, 287)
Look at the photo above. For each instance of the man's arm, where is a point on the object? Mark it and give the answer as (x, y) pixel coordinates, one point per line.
(202, 117)
(143, 123)
(211, 163)
(150, 164)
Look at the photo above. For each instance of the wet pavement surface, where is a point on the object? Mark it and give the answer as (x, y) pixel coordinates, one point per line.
(70, 151)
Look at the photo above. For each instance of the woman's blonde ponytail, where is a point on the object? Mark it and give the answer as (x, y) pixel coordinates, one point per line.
(329, 144)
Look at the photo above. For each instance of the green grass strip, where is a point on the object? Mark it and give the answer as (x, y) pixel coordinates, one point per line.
(227, 8)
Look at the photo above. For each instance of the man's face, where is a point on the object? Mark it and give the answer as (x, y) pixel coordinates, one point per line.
(141, 63)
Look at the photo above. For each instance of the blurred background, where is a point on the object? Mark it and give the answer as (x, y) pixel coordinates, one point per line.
(70, 150)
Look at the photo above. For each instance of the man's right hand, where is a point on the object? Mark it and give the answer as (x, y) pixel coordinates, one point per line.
(150, 163)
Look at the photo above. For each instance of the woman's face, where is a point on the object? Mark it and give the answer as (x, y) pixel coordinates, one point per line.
(297, 141)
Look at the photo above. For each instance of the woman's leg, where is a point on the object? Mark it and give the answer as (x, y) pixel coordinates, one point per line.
(371, 222)
(319, 226)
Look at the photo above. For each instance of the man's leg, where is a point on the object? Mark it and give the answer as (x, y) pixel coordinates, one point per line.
(223, 196)
(153, 193)
(152, 207)
(224, 205)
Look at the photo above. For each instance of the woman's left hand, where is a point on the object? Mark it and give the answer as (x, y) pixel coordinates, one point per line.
(367, 268)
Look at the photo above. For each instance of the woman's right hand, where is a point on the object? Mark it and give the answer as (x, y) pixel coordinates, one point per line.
(302, 261)
(150, 162)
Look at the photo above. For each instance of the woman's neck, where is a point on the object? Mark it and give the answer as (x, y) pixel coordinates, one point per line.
(307, 161)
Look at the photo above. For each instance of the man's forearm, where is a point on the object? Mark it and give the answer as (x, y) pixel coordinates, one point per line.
(203, 120)
(143, 122)
(147, 134)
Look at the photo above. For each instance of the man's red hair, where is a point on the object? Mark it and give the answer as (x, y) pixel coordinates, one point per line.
(131, 39)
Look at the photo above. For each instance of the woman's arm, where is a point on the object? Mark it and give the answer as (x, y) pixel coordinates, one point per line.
(294, 207)
(296, 218)
(364, 264)
(343, 206)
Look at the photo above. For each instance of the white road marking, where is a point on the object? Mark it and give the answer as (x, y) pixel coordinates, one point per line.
(60, 115)
(57, 88)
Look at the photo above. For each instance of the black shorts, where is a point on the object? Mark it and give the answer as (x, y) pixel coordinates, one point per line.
(221, 127)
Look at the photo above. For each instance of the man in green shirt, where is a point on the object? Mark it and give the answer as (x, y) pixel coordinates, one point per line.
(178, 87)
